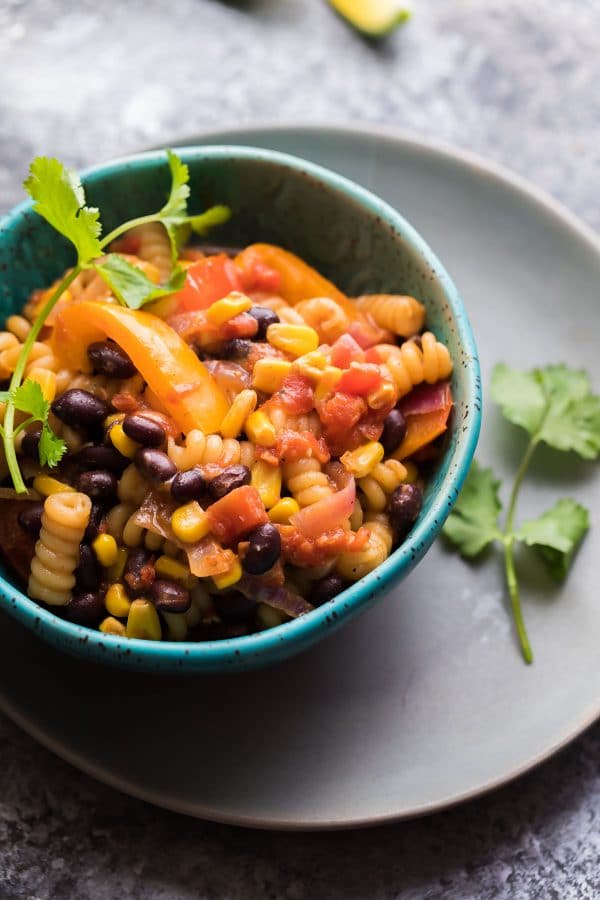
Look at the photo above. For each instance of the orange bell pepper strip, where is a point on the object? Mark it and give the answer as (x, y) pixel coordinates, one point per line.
(172, 370)
(299, 281)
(422, 430)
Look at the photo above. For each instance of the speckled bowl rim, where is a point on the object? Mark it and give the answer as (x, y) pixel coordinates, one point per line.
(265, 647)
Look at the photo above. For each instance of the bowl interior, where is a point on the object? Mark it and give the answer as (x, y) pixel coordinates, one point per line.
(350, 236)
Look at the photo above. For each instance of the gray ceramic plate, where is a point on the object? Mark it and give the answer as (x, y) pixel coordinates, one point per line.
(424, 701)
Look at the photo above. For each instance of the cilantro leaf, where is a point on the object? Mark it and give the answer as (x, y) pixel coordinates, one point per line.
(555, 405)
(51, 448)
(176, 205)
(215, 215)
(29, 398)
(520, 395)
(556, 535)
(573, 418)
(131, 286)
(472, 524)
(59, 198)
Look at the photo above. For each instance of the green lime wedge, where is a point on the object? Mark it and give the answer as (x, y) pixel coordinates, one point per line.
(374, 18)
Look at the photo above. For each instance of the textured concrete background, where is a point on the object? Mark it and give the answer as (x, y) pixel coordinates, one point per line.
(516, 80)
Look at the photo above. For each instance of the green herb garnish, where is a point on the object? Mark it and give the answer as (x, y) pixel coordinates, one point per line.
(59, 198)
(556, 406)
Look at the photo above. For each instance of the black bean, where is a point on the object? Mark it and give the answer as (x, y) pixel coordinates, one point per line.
(168, 596)
(107, 358)
(88, 573)
(405, 506)
(326, 589)
(264, 549)
(264, 317)
(190, 485)
(86, 608)
(80, 408)
(98, 483)
(93, 527)
(144, 430)
(139, 573)
(394, 429)
(155, 465)
(31, 442)
(233, 606)
(30, 518)
(100, 457)
(229, 479)
(236, 348)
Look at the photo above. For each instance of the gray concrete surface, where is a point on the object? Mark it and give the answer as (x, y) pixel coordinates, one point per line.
(516, 80)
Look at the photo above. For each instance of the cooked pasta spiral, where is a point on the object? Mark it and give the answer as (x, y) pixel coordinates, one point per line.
(383, 480)
(64, 520)
(411, 364)
(202, 449)
(284, 421)
(324, 315)
(306, 481)
(377, 549)
(403, 315)
(154, 247)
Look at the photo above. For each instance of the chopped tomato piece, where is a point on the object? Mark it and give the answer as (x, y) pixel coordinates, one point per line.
(360, 378)
(296, 395)
(346, 350)
(257, 276)
(367, 334)
(207, 280)
(300, 550)
(237, 513)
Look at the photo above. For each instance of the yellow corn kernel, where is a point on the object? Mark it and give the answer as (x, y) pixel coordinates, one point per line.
(312, 365)
(267, 481)
(190, 523)
(167, 567)
(382, 396)
(117, 602)
(260, 429)
(293, 339)
(283, 510)
(412, 473)
(46, 380)
(232, 305)
(110, 625)
(363, 460)
(229, 578)
(268, 616)
(46, 485)
(328, 381)
(122, 442)
(268, 374)
(106, 550)
(114, 417)
(115, 572)
(143, 621)
(235, 417)
(177, 626)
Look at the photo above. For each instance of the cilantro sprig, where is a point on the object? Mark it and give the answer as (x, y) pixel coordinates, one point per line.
(555, 405)
(58, 196)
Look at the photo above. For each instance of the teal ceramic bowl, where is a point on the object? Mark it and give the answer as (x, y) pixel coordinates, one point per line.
(351, 236)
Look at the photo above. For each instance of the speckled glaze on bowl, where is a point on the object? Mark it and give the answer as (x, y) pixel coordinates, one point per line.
(351, 236)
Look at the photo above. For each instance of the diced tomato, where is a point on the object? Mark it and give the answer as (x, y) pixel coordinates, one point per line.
(302, 551)
(360, 378)
(256, 275)
(207, 280)
(339, 415)
(372, 356)
(237, 513)
(241, 326)
(346, 350)
(296, 395)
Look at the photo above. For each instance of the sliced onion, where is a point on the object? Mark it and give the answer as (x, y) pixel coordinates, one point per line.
(285, 600)
(331, 512)
(205, 558)
(426, 398)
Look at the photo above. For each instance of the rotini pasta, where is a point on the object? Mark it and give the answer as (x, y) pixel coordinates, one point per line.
(64, 520)
(402, 315)
(200, 526)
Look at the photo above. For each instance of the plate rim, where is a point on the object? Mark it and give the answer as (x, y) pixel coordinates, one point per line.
(483, 167)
